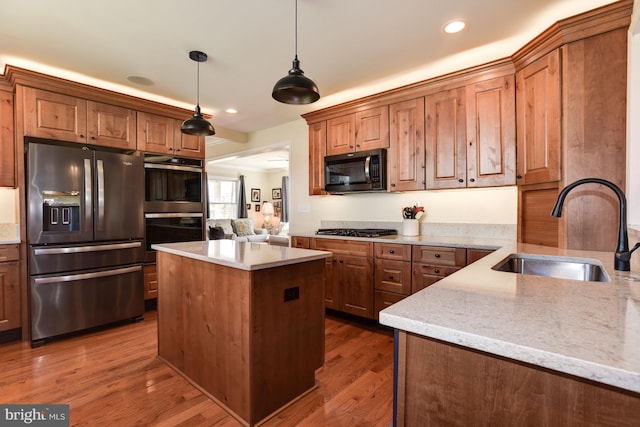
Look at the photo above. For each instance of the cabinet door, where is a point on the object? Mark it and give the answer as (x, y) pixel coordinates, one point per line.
(9, 296)
(111, 126)
(424, 275)
(372, 129)
(7, 146)
(331, 284)
(538, 120)
(187, 145)
(356, 285)
(155, 133)
(299, 242)
(405, 158)
(446, 154)
(317, 151)
(491, 130)
(54, 116)
(385, 299)
(341, 135)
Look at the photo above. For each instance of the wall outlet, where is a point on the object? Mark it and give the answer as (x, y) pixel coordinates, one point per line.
(291, 293)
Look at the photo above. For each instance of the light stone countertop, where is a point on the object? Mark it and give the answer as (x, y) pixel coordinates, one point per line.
(587, 329)
(449, 241)
(242, 255)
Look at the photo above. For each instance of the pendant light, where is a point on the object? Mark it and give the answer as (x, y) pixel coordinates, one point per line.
(197, 125)
(295, 88)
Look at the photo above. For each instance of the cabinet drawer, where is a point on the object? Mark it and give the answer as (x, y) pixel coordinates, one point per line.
(440, 255)
(424, 275)
(299, 242)
(344, 247)
(393, 276)
(384, 300)
(392, 251)
(9, 253)
(150, 281)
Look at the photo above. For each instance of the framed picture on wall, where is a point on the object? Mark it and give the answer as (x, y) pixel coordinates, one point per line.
(257, 208)
(255, 195)
(248, 206)
(276, 193)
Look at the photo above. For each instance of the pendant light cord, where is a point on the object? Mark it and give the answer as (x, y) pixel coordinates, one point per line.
(296, 35)
(198, 85)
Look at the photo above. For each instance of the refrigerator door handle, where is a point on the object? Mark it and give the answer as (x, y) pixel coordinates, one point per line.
(79, 249)
(88, 195)
(100, 172)
(82, 276)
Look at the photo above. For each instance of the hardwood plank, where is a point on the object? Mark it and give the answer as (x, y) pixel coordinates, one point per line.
(113, 376)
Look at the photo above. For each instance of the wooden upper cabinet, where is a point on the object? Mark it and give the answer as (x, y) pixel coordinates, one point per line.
(405, 158)
(7, 146)
(491, 132)
(155, 133)
(364, 130)
(111, 126)
(161, 135)
(317, 151)
(341, 135)
(61, 117)
(446, 139)
(54, 116)
(538, 120)
(187, 145)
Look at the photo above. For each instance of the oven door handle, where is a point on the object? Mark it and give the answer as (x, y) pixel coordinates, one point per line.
(173, 215)
(80, 249)
(83, 276)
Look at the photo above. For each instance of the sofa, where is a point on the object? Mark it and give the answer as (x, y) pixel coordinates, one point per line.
(241, 230)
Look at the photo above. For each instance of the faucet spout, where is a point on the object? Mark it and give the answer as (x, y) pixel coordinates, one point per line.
(622, 257)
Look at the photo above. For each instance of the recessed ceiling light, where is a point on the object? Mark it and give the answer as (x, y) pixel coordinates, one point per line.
(231, 110)
(454, 26)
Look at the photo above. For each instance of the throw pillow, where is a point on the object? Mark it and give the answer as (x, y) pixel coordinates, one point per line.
(242, 227)
(225, 225)
(216, 233)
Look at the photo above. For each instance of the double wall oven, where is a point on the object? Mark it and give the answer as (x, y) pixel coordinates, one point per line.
(175, 195)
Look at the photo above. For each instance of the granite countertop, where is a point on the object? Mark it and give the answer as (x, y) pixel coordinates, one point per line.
(242, 255)
(587, 329)
(9, 233)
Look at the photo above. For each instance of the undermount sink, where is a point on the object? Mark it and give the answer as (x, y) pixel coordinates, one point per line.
(558, 267)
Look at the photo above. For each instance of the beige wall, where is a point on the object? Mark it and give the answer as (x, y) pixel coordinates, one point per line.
(8, 206)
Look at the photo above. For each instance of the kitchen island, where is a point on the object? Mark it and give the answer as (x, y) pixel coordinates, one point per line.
(243, 322)
(487, 347)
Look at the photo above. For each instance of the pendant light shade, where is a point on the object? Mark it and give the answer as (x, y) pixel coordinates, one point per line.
(197, 125)
(295, 87)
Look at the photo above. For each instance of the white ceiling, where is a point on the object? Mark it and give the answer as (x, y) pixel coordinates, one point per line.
(350, 48)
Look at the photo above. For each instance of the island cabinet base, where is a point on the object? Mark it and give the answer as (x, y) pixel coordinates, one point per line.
(248, 339)
(440, 384)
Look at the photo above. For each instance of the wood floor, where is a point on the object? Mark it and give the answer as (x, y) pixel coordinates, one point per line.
(113, 377)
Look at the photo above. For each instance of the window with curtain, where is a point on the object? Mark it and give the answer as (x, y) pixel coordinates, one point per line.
(223, 198)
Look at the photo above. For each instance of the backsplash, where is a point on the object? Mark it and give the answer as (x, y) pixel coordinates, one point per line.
(9, 233)
(489, 231)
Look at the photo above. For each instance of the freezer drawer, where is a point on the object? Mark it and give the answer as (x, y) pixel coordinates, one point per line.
(67, 303)
(57, 258)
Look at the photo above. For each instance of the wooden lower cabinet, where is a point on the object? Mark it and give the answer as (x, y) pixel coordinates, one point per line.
(348, 275)
(443, 384)
(150, 281)
(9, 288)
(432, 263)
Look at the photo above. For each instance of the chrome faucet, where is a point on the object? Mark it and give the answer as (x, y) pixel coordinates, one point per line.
(621, 261)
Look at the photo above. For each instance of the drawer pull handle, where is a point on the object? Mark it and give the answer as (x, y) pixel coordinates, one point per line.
(437, 270)
(437, 255)
(392, 251)
(390, 277)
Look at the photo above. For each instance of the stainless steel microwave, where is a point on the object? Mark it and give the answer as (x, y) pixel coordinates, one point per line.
(353, 172)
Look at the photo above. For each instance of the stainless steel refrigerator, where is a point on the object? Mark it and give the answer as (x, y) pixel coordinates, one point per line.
(85, 231)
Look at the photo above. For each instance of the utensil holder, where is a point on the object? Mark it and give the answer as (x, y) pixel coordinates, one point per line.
(410, 227)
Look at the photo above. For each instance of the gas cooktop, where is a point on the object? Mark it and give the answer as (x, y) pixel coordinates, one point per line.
(357, 232)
